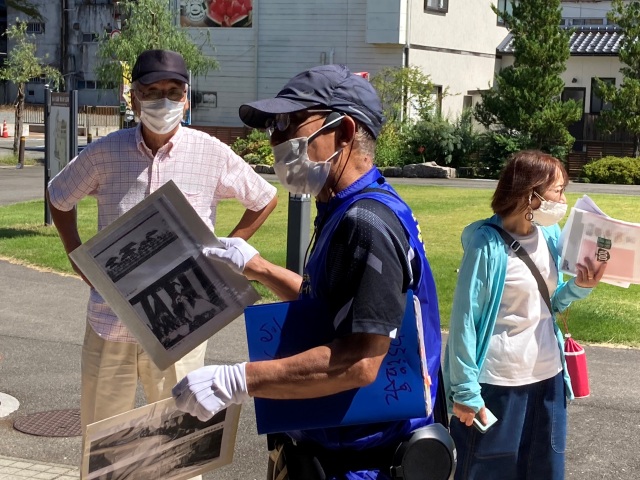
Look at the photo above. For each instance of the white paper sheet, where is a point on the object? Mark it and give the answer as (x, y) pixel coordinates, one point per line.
(158, 441)
(149, 267)
(589, 232)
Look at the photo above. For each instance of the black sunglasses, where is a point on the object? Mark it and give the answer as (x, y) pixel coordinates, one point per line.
(282, 121)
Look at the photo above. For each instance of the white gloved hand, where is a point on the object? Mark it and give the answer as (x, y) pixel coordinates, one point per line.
(236, 252)
(208, 390)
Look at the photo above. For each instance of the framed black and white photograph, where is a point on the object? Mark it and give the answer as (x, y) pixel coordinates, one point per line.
(149, 267)
(181, 302)
(158, 441)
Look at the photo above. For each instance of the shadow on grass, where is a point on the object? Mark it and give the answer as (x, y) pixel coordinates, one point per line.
(18, 233)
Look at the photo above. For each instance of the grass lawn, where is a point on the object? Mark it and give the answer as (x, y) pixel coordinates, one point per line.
(609, 315)
(12, 160)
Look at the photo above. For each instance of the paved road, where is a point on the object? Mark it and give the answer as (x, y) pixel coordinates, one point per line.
(21, 185)
(28, 184)
(41, 328)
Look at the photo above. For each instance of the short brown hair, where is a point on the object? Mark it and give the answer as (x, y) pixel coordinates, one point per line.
(525, 172)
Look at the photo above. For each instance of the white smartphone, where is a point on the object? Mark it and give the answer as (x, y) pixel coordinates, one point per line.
(491, 419)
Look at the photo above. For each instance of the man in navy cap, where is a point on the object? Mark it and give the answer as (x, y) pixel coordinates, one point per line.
(120, 170)
(367, 253)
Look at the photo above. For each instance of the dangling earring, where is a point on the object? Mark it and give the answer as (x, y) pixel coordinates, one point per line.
(529, 215)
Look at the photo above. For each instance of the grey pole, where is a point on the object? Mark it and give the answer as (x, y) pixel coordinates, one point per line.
(47, 152)
(298, 227)
(73, 125)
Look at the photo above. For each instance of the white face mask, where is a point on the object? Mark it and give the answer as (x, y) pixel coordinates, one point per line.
(161, 116)
(295, 171)
(549, 213)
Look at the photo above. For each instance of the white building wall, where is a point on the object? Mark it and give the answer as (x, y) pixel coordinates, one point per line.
(256, 62)
(315, 33)
(217, 96)
(582, 69)
(467, 26)
(457, 49)
(459, 75)
(367, 35)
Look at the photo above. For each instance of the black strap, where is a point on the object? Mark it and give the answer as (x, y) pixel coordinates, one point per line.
(440, 413)
(524, 256)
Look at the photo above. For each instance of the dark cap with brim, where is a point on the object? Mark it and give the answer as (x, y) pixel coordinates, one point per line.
(256, 114)
(157, 65)
(328, 86)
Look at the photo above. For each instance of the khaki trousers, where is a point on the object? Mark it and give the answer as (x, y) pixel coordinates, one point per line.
(110, 373)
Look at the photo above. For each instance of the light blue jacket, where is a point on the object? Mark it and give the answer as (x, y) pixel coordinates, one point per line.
(475, 308)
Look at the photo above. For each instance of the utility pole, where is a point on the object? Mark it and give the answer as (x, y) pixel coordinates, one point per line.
(64, 41)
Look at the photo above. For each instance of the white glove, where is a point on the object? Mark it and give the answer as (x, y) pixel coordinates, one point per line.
(236, 252)
(208, 390)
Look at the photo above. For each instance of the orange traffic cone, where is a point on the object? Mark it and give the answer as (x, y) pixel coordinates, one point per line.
(5, 130)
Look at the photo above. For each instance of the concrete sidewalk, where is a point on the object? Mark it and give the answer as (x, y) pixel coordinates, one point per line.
(14, 468)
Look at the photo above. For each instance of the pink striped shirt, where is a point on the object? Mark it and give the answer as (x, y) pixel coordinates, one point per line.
(120, 171)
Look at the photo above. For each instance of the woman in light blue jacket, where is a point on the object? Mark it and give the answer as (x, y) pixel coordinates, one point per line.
(505, 352)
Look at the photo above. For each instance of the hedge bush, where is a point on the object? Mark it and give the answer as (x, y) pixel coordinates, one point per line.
(254, 148)
(390, 147)
(621, 171)
(432, 140)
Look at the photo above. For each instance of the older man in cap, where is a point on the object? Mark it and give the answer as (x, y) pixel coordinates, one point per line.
(367, 253)
(120, 170)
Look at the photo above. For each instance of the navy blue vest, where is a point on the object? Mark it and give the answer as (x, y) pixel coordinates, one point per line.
(373, 186)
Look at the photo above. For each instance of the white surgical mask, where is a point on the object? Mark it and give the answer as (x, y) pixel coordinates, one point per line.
(161, 116)
(549, 213)
(295, 171)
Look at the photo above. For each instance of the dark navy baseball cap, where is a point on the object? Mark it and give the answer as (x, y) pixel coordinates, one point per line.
(329, 86)
(156, 65)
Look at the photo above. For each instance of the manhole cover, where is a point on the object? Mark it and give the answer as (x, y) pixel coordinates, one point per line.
(56, 423)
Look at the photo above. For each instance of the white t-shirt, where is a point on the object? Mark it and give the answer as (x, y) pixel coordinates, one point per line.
(523, 348)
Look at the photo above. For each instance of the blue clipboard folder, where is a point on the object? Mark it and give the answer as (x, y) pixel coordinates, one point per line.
(279, 330)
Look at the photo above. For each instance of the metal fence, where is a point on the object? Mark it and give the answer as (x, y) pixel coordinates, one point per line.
(88, 116)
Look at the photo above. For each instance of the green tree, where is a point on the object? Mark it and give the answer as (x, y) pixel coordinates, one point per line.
(26, 7)
(625, 101)
(526, 97)
(402, 90)
(407, 95)
(148, 24)
(21, 65)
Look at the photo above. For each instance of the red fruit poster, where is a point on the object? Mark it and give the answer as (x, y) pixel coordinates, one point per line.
(216, 13)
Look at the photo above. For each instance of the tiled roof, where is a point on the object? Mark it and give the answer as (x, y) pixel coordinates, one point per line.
(585, 40)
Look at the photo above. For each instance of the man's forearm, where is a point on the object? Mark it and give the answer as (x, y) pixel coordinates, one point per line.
(251, 221)
(67, 225)
(284, 283)
(346, 363)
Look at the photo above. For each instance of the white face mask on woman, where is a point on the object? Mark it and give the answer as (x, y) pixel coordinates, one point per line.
(161, 116)
(295, 171)
(549, 213)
